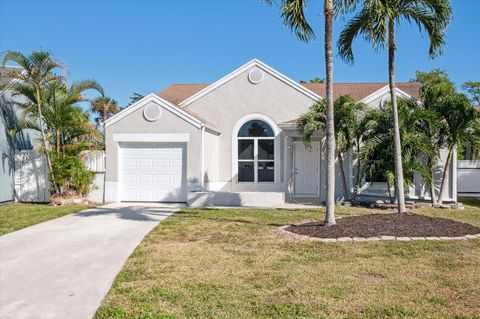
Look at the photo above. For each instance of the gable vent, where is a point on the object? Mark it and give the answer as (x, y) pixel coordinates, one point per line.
(255, 75)
(152, 112)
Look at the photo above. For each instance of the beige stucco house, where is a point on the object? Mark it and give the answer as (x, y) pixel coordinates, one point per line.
(232, 142)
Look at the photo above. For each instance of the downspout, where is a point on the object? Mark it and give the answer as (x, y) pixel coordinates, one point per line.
(202, 168)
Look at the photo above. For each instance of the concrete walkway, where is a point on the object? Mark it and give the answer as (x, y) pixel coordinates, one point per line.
(63, 268)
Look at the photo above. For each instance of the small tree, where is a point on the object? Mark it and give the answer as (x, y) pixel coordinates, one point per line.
(377, 149)
(346, 120)
(462, 126)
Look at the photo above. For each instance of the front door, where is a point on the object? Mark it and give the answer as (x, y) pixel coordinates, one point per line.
(306, 168)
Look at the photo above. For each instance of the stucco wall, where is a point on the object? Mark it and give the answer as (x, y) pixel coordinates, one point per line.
(227, 104)
(6, 167)
(211, 159)
(136, 123)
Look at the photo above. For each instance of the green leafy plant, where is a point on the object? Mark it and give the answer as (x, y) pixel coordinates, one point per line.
(71, 176)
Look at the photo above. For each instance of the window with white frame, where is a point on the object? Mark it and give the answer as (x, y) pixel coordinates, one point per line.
(256, 145)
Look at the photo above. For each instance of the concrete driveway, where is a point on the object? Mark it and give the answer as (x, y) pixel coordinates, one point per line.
(64, 267)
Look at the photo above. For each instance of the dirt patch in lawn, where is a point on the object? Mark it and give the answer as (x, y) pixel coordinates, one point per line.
(398, 225)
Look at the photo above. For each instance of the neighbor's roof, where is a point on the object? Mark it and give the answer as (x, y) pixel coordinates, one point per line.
(4, 74)
(176, 93)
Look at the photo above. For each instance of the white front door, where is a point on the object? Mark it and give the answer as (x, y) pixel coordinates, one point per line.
(153, 172)
(306, 168)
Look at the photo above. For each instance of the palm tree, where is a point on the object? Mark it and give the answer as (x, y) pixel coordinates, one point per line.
(103, 107)
(135, 97)
(38, 70)
(60, 114)
(376, 22)
(462, 127)
(377, 149)
(346, 119)
(294, 18)
(434, 87)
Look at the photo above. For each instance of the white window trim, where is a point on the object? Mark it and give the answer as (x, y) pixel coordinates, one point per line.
(276, 152)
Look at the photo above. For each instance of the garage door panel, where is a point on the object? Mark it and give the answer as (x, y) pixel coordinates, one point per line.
(152, 172)
(145, 163)
(162, 163)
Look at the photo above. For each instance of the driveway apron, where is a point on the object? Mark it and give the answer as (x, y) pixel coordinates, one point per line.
(64, 267)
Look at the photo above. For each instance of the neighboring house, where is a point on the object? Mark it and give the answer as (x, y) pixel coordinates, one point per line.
(11, 139)
(233, 142)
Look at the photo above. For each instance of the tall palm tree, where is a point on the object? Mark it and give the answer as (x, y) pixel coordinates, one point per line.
(376, 22)
(38, 70)
(346, 119)
(103, 107)
(293, 15)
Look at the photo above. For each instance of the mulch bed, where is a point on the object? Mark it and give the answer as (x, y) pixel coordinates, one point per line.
(398, 225)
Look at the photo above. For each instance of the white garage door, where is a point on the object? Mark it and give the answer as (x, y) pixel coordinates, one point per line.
(153, 172)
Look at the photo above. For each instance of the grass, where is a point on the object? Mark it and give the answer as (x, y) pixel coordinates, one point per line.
(230, 263)
(15, 216)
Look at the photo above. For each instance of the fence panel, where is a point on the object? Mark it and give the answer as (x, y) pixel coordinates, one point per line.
(468, 178)
(31, 177)
(94, 160)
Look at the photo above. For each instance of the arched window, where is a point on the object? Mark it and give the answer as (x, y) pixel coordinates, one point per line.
(256, 152)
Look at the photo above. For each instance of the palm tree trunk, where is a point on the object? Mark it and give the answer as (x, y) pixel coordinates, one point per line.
(389, 187)
(432, 183)
(44, 138)
(344, 178)
(330, 132)
(359, 167)
(396, 136)
(105, 112)
(445, 177)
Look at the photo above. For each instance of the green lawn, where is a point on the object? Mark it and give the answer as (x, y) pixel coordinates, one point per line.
(16, 216)
(230, 263)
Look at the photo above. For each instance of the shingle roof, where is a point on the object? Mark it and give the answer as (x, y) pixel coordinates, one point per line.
(4, 74)
(361, 90)
(176, 93)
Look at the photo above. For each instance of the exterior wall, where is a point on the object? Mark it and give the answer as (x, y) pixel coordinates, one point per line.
(211, 159)
(237, 98)
(6, 167)
(136, 123)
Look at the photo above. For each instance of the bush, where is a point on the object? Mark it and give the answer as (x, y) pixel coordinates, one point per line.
(70, 176)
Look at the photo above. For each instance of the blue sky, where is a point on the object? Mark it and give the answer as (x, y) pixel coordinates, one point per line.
(145, 45)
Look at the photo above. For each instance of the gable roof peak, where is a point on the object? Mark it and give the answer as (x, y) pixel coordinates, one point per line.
(241, 69)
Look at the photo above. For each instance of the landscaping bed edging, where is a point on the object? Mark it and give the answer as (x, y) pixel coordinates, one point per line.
(282, 231)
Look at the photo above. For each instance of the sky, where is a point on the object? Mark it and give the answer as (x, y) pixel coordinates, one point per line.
(145, 45)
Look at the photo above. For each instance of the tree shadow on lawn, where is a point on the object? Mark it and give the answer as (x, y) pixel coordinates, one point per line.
(136, 213)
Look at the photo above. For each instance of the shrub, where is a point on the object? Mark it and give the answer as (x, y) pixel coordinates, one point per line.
(70, 175)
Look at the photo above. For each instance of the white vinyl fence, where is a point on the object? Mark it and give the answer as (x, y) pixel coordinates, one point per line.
(31, 176)
(468, 178)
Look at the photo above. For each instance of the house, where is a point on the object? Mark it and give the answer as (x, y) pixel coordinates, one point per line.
(232, 142)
